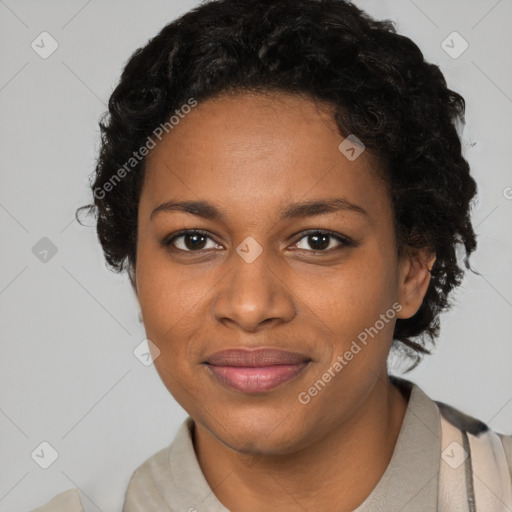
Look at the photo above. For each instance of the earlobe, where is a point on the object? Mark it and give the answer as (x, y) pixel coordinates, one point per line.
(133, 279)
(415, 274)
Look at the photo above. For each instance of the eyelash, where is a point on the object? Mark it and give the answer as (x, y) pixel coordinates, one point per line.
(344, 240)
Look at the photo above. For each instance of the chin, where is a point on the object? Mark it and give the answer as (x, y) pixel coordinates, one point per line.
(275, 432)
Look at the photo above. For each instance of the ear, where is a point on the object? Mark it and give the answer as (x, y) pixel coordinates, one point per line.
(414, 278)
(133, 280)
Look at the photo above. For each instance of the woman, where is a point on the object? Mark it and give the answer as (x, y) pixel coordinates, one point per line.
(284, 184)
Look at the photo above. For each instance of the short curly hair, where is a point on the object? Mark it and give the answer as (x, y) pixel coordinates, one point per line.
(379, 84)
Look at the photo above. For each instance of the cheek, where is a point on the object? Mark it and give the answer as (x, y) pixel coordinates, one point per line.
(171, 308)
(356, 304)
(350, 304)
(163, 305)
(354, 295)
(167, 293)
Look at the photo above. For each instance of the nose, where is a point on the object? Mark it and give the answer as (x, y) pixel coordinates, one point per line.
(253, 294)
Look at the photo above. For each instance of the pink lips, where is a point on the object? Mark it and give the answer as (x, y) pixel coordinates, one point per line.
(257, 370)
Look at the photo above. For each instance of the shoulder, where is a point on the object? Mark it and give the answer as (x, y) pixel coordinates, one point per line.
(462, 420)
(151, 484)
(507, 445)
(478, 430)
(143, 478)
(67, 501)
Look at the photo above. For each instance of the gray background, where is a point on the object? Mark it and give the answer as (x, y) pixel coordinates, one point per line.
(69, 326)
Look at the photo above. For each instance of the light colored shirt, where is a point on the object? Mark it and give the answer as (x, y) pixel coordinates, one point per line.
(443, 460)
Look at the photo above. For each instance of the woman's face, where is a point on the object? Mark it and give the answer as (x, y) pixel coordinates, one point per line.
(259, 278)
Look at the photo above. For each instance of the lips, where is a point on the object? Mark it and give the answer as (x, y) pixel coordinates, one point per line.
(257, 370)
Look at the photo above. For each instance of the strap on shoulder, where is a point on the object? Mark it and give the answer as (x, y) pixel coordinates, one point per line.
(475, 473)
(507, 446)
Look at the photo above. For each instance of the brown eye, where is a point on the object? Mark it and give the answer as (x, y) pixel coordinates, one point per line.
(322, 241)
(190, 241)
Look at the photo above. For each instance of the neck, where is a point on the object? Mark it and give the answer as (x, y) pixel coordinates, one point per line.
(343, 467)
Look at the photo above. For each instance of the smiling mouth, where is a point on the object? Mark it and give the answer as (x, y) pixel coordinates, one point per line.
(257, 370)
(256, 379)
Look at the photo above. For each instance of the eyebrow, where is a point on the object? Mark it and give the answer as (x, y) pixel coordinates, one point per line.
(209, 211)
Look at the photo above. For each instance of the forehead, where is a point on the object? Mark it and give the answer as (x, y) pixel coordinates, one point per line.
(251, 149)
